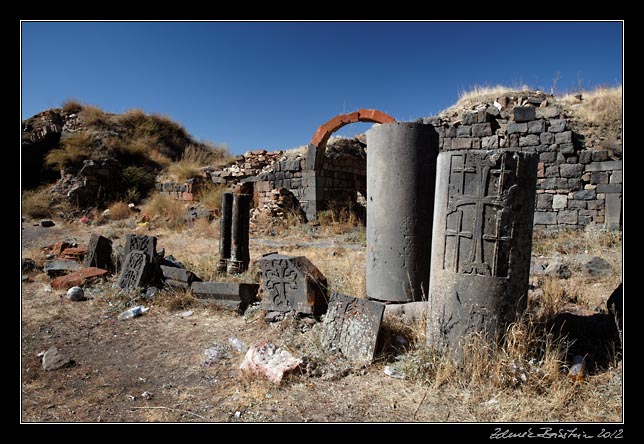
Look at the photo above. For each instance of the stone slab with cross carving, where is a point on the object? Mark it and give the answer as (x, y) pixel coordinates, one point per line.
(351, 327)
(292, 283)
(481, 244)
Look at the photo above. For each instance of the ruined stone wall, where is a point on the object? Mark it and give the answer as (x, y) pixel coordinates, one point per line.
(576, 185)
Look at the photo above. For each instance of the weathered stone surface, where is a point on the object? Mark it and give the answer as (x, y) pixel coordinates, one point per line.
(604, 166)
(481, 243)
(351, 326)
(99, 252)
(481, 130)
(600, 155)
(529, 140)
(400, 190)
(571, 170)
(585, 156)
(616, 177)
(548, 112)
(270, 361)
(58, 267)
(239, 248)
(517, 128)
(559, 201)
(563, 137)
(584, 194)
(558, 270)
(227, 294)
(458, 143)
(177, 284)
(557, 125)
(53, 359)
(408, 313)
(545, 218)
(292, 283)
(544, 201)
(78, 278)
(146, 244)
(597, 267)
(609, 188)
(614, 211)
(490, 142)
(463, 131)
(225, 230)
(567, 217)
(136, 270)
(524, 113)
(178, 274)
(536, 127)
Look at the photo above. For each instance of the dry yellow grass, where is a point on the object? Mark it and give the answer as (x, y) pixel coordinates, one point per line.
(74, 149)
(481, 93)
(71, 106)
(36, 204)
(210, 196)
(165, 212)
(93, 115)
(601, 107)
(191, 163)
(119, 211)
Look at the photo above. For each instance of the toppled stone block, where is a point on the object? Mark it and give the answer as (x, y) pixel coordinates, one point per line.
(99, 253)
(58, 267)
(270, 361)
(226, 294)
(146, 244)
(78, 278)
(136, 270)
(351, 326)
(74, 253)
(178, 274)
(597, 267)
(292, 283)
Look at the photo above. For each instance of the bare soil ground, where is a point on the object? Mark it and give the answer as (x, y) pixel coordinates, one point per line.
(153, 368)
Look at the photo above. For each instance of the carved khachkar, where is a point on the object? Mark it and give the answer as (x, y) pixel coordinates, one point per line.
(136, 270)
(481, 245)
(400, 185)
(239, 254)
(99, 253)
(225, 231)
(146, 244)
(292, 283)
(351, 326)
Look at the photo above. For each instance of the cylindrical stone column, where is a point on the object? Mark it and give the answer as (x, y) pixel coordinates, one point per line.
(225, 231)
(401, 166)
(482, 240)
(239, 254)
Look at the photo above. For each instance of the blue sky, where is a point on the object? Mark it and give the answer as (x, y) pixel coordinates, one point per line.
(269, 85)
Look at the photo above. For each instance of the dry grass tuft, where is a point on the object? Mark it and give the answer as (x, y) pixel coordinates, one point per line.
(119, 211)
(601, 107)
(73, 151)
(72, 106)
(93, 115)
(175, 299)
(166, 211)
(209, 195)
(483, 93)
(191, 163)
(36, 204)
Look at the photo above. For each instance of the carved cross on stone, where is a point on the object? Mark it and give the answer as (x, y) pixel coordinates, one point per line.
(280, 277)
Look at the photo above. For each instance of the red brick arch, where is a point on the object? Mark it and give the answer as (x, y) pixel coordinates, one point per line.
(323, 133)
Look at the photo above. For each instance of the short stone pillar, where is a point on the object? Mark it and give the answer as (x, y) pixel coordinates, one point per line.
(239, 253)
(482, 240)
(401, 166)
(225, 231)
